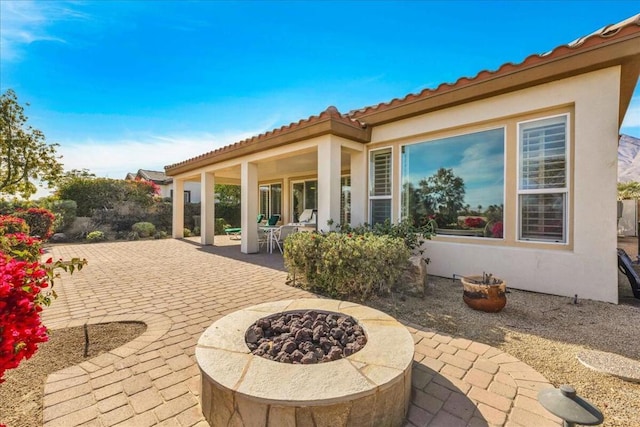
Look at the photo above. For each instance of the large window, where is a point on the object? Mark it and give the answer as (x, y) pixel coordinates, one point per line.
(271, 199)
(380, 186)
(542, 180)
(455, 185)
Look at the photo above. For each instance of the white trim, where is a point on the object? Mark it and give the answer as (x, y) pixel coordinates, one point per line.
(561, 190)
(390, 148)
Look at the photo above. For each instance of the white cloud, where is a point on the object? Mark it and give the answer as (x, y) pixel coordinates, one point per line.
(114, 159)
(24, 22)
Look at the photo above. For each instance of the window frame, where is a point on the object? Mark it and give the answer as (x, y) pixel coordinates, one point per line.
(565, 191)
(389, 197)
(505, 190)
(269, 209)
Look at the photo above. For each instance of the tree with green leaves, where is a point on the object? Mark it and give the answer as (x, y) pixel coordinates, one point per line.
(25, 157)
(443, 193)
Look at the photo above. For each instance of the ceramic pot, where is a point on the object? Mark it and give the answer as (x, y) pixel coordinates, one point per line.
(489, 298)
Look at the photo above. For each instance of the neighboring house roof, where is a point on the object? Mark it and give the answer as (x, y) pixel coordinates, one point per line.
(157, 177)
(617, 44)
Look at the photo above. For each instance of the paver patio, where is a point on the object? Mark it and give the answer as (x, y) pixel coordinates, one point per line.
(179, 288)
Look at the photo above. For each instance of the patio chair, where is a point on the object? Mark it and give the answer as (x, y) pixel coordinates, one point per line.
(273, 220)
(306, 215)
(281, 234)
(234, 232)
(625, 265)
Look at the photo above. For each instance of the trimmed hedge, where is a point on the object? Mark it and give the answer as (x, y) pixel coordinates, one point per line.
(341, 264)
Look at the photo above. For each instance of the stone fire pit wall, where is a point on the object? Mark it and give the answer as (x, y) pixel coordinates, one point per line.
(369, 388)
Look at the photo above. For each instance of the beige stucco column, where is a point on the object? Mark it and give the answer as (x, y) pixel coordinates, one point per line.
(177, 223)
(207, 208)
(328, 183)
(358, 188)
(249, 207)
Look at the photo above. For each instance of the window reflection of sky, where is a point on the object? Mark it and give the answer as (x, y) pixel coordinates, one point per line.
(477, 158)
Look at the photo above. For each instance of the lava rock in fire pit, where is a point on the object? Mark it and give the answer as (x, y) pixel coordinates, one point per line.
(305, 337)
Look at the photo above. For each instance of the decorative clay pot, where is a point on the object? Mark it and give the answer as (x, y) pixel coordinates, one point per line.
(489, 298)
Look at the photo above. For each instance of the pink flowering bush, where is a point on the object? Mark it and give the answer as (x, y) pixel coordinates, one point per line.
(25, 286)
(473, 222)
(39, 220)
(497, 230)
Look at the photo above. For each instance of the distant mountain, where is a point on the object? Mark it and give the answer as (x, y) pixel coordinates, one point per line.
(628, 159)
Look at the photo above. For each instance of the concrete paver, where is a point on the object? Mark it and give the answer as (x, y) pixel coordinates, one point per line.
(178, 288)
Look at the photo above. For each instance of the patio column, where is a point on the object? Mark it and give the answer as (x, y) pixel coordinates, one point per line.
(207, 208)
(328, 183)
(249, 207)
(358, 188)
(177, 223)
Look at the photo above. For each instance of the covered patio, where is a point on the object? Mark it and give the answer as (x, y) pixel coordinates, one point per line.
(306, 165)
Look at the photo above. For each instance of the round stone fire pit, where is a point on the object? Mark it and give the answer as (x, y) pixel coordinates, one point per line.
(369, 387)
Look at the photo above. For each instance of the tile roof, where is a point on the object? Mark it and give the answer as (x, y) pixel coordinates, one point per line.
(361, 118)
(330, 114)
(628, 26)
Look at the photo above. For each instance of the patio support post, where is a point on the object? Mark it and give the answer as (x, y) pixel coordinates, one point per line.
(249, 207)
(358, 188)
(207, 208)
(328, 184)
(177, 223)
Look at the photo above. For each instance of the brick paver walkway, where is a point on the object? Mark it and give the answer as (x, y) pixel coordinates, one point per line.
(179, 288)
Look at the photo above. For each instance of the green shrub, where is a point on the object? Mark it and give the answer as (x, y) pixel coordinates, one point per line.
(187, 232)
(221, 224)
(160, 235)
(413, 237)
(341, 264)
(133, 235)
(65, 213)
(96, 236)
(39, 220)
(144, 229)
(196, 231)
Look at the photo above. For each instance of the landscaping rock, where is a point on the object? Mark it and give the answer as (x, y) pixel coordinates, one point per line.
(414, 279)
(58, 238)
(305, 337)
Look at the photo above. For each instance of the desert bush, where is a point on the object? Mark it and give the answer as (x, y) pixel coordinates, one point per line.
(144, 229)
(160, 235)
(10, 224)
(65, 213)
(187, 232)
(412, 236)
(96, 236)
(39, 220)
(196, 231)
(341, 264)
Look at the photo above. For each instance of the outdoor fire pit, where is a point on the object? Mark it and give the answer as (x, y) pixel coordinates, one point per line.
(368, 383)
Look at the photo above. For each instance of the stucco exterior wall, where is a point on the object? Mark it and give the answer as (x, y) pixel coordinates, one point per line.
(586, 265)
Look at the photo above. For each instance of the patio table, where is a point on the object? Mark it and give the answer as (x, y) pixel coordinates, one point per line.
(269, 229)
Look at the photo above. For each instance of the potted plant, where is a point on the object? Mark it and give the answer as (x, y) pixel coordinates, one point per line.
(484, 293)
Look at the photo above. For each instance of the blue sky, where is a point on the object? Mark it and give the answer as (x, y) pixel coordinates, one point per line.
(129, 85)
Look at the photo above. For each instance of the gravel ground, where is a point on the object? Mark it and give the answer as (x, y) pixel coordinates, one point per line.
(544, 331)
(21, 393)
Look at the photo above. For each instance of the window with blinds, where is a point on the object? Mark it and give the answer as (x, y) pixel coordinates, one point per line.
(542, 183)
(345, 200)
(380, 185)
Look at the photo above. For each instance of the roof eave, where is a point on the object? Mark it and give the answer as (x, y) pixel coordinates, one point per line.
(331, 125)
(623, 52)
